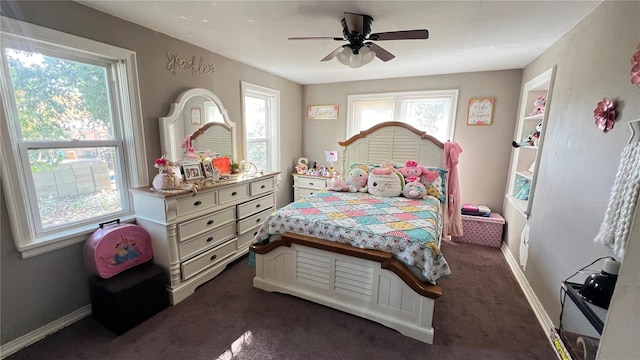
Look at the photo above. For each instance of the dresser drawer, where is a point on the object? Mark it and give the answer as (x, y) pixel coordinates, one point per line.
(312, 183)
(246, 239)
(205, 223)
(233, 193)
(207, 240)
(255, 206)
(252, 221)
(262, 186)
(207, 259)
(199, 202)
(306, 192)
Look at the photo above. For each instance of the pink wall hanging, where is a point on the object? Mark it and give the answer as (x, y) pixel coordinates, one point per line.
(605, 114)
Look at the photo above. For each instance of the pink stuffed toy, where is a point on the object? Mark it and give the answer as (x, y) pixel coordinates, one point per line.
(412, 171)
(357, 180)
(191, 152)
(337, 184)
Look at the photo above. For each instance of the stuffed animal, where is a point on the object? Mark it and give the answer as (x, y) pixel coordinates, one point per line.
(337, 184)
(385, 182)
(538, 105)
(357, 180)
(533, 139)
(412, 171)
(414, 190)
(525, 186)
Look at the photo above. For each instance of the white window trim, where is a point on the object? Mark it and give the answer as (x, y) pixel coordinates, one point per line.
(274, 124)
(15, 187)
(398, 96)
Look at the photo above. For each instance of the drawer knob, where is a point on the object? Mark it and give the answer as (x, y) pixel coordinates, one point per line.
(258, 220)
(197, 203)
(234, 193)
(263, 186)
(209, 222)
(255, 233)
(257, 205)
(210, 239)
(214, 257)
(311, 184)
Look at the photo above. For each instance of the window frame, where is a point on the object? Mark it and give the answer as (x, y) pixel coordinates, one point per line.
(273, 121)
(398, 109)
(18, 185)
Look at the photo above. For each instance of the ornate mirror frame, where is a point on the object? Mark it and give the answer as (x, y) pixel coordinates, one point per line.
(171, 136)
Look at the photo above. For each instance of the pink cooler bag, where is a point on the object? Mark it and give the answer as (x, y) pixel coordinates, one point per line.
(115, 248)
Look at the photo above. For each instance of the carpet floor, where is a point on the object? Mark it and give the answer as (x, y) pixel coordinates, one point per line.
(482, 314)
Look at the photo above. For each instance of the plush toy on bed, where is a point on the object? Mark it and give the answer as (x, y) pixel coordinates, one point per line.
(357, 180)
(414, 190)
(412, 171)
(337, 184)
(385, 181)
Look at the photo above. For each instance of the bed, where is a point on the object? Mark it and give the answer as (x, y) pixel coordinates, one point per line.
(347, 250)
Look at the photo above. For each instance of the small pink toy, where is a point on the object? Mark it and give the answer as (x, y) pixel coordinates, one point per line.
(412, 171)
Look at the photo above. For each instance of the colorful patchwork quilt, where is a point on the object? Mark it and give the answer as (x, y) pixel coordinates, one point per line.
(407, 228)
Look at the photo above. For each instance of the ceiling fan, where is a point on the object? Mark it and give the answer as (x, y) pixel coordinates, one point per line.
(361, 49)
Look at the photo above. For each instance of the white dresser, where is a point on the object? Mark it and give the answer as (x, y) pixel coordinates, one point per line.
(194, 237)
(305, 185)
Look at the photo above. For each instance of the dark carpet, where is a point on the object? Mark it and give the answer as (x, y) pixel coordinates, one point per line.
(482, 314)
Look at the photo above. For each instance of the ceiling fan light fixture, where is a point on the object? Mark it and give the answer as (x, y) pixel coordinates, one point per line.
(344, 56)
(367, 55)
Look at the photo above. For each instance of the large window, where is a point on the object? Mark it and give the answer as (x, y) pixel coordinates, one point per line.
(433, 112)
(261, 108)
(68, 140)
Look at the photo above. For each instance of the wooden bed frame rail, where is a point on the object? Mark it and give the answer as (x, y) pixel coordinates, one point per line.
(367, 283)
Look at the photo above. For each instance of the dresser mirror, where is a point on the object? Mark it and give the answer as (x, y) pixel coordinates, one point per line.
(199, 114)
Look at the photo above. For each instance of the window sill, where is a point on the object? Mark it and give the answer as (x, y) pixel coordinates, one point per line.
(47, 244)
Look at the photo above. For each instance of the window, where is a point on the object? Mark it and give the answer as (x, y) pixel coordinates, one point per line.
(70, 149)
(433, 112)
(261, 109)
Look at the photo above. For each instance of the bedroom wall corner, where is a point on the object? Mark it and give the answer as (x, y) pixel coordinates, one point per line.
(592, 62)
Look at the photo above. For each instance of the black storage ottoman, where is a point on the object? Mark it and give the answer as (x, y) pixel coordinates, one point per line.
(129, 298)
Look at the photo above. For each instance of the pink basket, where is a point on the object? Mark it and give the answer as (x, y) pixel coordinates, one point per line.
(481, 230)
(115, 248)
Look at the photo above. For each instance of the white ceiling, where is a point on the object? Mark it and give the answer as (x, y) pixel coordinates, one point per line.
(464, 36)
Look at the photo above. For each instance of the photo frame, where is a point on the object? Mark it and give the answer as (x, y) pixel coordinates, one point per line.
(322, 112)
(207, 167)
(192, 171)
(196, 116)
(480, 111)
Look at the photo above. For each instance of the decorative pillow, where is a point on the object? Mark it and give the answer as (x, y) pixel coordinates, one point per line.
(365, 167)
(435, 181)
(383, 184)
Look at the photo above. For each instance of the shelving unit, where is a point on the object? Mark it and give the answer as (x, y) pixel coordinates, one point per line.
(526, 159)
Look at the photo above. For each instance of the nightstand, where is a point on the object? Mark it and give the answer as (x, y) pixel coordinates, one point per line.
(581, 323)
(305, 185)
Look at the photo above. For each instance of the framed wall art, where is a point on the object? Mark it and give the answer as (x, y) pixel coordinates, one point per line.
(196, 116)
(480, 111)
(322, 112)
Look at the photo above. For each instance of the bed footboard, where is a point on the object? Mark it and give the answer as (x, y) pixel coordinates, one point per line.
(366, 283)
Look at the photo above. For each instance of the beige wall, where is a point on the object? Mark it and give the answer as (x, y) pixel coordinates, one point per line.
(579, 162)
(39, 290)
(486, 149)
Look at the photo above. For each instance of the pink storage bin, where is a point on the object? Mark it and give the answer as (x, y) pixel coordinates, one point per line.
(482, 230)
(114, 248)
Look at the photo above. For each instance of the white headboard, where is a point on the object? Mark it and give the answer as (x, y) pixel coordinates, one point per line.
(392, 141)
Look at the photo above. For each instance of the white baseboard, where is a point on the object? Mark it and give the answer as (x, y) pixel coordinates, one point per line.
(36, 335)
(536, 306)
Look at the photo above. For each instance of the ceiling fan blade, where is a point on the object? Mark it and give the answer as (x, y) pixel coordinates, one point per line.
(316, 38)
(381, 53)
(354, 22)
(401, 35)
(332, 54)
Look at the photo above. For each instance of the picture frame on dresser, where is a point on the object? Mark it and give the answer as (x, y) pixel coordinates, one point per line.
(192, 171)
(207, 167)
